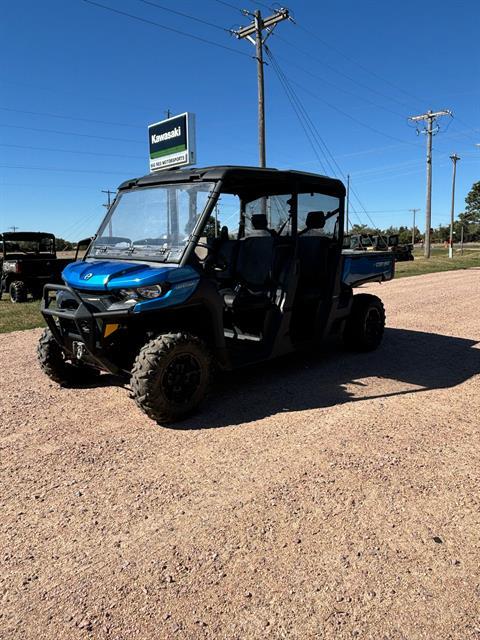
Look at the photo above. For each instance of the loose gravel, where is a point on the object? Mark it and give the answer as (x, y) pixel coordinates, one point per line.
(327, 496)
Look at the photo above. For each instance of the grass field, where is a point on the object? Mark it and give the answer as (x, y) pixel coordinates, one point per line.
(438, 262)
(16, 317)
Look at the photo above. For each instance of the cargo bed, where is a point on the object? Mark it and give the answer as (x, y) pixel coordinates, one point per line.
(359, 267)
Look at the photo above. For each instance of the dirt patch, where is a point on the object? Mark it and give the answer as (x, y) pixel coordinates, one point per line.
(332, 496)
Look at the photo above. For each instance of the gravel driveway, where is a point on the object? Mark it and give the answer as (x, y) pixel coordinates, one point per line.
(323, 496)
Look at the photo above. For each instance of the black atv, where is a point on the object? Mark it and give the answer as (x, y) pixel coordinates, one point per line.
(28, 261)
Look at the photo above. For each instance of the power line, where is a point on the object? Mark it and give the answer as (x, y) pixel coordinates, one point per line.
(61, 169)
(314, 134)
(342, 73)
(348, 115)
(88, 153)
(161, 26)
(295, 99)
(385, 168)
(70, 133)
(78, 224)
(373, 73)
(184, 15)
(298, 112)
(261, 4)
(319, 137)
(30, 86)
(340, 88)
(344, 113)
(466, 134)
(63, 117)
(45, 186)
(228, 4)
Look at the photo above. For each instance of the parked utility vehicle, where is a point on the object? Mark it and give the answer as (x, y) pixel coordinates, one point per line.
(28, 260)
(201, 269)
(367, 242)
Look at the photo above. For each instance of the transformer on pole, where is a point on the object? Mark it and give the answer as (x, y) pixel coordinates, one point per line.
(430, 118)
(254, 34)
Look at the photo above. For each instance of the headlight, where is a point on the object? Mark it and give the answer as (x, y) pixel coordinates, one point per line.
(11, 266)
(128, 294)
(147, 293)
(153, 291)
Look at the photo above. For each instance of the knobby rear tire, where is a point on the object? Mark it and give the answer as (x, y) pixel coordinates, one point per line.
(18, 292)
(365, 325)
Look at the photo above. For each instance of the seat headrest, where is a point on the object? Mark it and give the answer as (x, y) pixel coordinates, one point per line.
(259, 221)
(315, 220)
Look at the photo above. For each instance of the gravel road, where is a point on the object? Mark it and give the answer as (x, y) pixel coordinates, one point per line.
(324, 496)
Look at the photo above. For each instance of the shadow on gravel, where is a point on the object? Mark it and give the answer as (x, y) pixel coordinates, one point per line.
(294, 383)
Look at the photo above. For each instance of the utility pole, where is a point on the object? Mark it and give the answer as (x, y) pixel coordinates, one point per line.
(256, 28)
(454, 158)
(216, 218)
(348, 202)
(107, 206)
(430, 117)
(414, 211)
(14, 228)
(109, 201)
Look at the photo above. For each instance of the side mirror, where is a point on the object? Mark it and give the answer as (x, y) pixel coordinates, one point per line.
(82, 248)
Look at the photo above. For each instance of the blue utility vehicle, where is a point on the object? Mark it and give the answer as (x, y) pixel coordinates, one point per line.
(203, 269)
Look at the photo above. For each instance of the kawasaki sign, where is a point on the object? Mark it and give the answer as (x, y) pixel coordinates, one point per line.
(172, 142)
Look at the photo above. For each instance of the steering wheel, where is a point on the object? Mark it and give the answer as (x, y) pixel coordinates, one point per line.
(218, 262)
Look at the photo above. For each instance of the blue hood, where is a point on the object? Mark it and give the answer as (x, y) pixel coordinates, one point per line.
(106, 274)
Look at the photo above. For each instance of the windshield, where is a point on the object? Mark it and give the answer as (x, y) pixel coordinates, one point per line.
(34, 246)
(153, 223)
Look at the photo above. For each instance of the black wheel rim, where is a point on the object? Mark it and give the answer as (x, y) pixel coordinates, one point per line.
(182, 378)
(373, 325)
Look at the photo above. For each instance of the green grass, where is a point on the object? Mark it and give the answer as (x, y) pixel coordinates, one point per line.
(17, 317)
(439, 261)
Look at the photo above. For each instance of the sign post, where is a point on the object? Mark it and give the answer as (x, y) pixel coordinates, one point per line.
(172, 142)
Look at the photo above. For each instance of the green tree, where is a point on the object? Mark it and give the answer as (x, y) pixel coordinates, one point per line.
(441, 233)
(63, 245)
(470, 218)
(404, 235)
(472, 210)
(209, 229)
(363, 228)
(391, 231)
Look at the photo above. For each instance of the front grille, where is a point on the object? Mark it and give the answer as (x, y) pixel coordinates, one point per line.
(95, 302)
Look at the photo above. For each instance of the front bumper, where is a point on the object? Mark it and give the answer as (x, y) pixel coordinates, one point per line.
(81, 325)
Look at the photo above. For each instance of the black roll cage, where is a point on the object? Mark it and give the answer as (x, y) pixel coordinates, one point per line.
(26, 236)
(248, 183)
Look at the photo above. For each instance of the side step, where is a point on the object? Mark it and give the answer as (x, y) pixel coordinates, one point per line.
(239, 335)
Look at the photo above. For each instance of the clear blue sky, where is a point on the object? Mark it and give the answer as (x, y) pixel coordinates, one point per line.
(359, 68)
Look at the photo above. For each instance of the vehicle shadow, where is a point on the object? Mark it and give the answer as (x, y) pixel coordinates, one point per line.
(415, 359)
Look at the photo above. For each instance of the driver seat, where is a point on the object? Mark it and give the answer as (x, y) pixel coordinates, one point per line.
(253, 274)
(313, 254)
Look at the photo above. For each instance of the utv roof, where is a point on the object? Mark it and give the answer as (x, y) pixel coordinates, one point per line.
(25, 235)
(243, 179)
